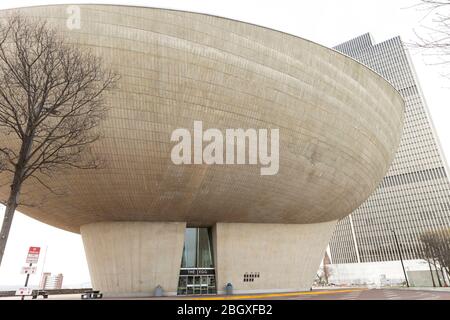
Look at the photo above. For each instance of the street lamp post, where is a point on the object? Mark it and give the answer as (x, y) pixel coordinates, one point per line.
(400, 256)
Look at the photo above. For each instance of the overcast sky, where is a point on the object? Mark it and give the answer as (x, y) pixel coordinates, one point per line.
(328, 22)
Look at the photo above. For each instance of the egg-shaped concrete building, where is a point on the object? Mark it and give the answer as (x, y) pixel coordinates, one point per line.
(192, 228)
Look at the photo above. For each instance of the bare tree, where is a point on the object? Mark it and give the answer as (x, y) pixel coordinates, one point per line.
(325, 271)
(436, 250)
(434, 36)
(51, 101)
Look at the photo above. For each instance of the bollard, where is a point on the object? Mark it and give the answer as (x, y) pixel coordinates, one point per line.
(159, 292)
(229, 289)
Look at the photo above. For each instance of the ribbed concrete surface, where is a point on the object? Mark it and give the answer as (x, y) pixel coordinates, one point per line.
(285, 257)
(133, 258)
(339, 123)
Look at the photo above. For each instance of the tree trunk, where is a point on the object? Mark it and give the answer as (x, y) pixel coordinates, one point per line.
(437, 273)
(431, 272)
(12, 202)
(11, 206)
(443, 277)
(447, 272)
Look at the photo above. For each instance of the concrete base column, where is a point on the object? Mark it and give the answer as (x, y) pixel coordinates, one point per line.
(272, 257)
(131, 258)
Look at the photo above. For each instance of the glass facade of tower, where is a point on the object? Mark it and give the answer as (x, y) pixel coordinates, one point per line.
(197, 251)
(414, 196)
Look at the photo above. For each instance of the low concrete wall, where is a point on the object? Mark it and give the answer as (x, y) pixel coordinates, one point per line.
(422, 278)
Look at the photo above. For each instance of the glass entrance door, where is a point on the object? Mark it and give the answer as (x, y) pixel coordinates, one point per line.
(196, 285)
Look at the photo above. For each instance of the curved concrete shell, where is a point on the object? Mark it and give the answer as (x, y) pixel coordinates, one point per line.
(339, 127)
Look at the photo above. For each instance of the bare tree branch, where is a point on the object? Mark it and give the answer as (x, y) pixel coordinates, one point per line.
(434, 35)
(51, 103)
(436, 250)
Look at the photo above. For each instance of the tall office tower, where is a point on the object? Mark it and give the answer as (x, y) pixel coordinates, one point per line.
(49, 281)
(414, 196)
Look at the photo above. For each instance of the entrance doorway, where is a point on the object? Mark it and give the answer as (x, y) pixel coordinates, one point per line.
(198, 284)
(197, 273)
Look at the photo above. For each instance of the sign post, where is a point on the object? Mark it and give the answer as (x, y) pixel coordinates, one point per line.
(32, 257)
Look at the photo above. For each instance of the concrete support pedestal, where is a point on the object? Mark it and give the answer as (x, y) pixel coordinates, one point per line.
(132, 258)
(256, 257)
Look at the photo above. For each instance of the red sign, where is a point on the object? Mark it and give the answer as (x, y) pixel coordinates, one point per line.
(33, 255)
(34, 250)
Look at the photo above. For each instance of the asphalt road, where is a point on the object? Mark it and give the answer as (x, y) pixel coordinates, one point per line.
(371, 294)
(336, 294)
(347, 294)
